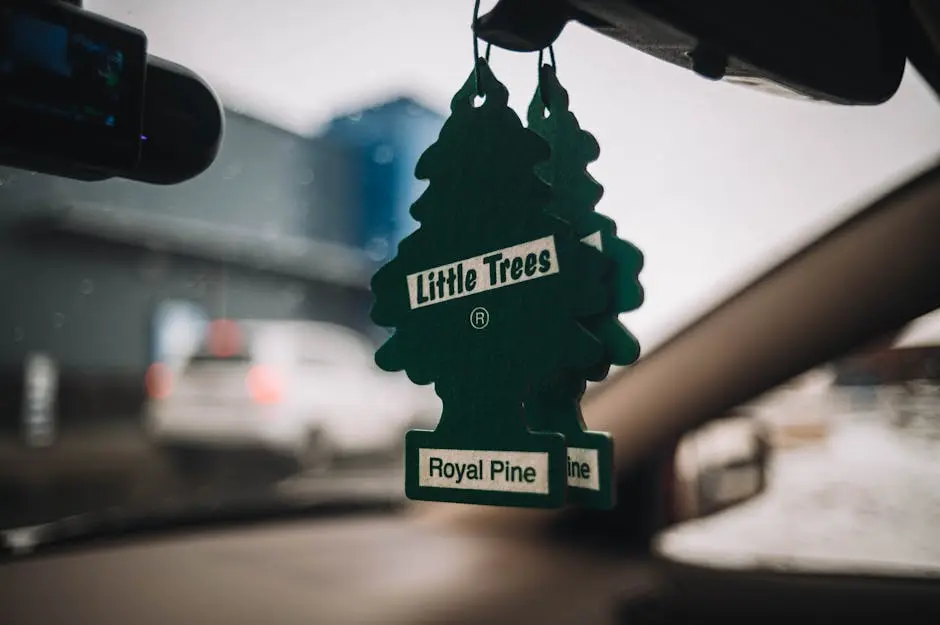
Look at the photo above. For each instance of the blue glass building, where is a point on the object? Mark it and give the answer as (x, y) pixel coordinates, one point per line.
(385, 143)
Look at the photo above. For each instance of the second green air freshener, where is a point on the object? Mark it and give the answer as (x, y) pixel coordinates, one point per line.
(555, 402)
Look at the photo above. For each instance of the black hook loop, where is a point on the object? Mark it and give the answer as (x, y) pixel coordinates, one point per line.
(551, 55)
(476, 48)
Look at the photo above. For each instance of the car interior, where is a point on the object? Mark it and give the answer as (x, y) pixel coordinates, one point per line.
(863, 280)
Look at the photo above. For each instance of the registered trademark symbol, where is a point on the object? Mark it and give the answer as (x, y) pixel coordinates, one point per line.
(479, 318)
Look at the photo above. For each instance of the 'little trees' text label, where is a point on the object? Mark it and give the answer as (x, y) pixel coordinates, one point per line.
(505, 471)
(505, 267)
(583, 468)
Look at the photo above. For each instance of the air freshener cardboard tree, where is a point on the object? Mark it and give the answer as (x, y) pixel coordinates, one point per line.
(485, 298)
(554, 404)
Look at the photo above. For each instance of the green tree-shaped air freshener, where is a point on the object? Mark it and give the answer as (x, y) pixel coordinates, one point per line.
(554, 404)
(485, 299)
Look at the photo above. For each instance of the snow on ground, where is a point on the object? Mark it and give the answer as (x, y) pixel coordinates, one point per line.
(867, 500)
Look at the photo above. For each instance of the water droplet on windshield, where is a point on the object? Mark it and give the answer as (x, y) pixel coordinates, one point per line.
(270, 231)
(232, 171)
(377, 249)
(18, 334)
(154, 265)
(296, 294)
(86, 287)
(383, 155)
(58, 320)
(306, 177)
(196, 279)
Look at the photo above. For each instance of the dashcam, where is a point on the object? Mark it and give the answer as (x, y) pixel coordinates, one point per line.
(76, 99)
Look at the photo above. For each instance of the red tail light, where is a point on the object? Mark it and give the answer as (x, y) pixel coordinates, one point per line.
(158, 381)
(224, 338)
(264, 385)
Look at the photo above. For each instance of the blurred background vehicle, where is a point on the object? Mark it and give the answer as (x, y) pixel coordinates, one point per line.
(304, 394)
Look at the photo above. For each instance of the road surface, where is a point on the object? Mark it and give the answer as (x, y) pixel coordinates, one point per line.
(100, 469)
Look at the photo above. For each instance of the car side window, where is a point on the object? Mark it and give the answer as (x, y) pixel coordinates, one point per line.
(854, 467)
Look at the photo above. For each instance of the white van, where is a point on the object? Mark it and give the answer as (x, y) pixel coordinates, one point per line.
(305, 392)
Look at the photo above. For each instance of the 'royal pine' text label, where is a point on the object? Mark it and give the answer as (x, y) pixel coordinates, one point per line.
(583, 468)
(493, 270)
(504, 471)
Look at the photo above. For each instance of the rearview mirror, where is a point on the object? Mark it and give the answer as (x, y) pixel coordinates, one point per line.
(844, 51)
(720, 465)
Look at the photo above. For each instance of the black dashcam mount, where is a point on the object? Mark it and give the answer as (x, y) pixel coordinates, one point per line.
(81, 98)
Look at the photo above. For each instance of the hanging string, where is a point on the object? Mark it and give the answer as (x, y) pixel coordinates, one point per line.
(476, 48)
(551, 55)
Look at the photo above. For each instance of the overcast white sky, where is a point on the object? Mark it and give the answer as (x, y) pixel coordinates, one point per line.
(713, 182)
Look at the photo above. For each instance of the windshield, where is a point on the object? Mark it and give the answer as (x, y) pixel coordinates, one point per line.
(211, 339)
